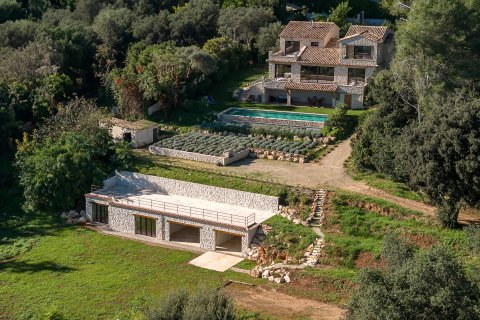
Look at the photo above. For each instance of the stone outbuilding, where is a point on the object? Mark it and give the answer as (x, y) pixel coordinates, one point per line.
(139, 133)
(165, 210)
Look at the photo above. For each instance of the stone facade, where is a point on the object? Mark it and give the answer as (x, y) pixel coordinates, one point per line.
(122, 219)
(223, 161)
(337, 53)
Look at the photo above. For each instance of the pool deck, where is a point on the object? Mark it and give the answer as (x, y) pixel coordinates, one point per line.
(229, 116)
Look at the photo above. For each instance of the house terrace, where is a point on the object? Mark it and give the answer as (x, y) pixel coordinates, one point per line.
(204, 216)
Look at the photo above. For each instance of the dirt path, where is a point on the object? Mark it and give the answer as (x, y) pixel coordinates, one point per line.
(280, 305)
(328, 173)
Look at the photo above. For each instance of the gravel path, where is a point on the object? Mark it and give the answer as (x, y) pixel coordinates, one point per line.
(329, 173)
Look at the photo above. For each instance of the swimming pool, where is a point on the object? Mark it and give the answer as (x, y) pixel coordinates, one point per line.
(299, 119)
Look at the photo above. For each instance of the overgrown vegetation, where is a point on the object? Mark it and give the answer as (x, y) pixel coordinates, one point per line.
(430, 284)
(359, 224)
(288, 237)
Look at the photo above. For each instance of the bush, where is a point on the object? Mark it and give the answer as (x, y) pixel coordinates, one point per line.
(204, 304)
(473, 238)
(430, 285)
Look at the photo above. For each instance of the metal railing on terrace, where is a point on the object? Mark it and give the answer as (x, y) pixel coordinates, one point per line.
(189, 211)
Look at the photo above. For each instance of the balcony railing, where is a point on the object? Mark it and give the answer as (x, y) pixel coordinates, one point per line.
(356, 80)
(189, 211)
(315, 78)
(364, 56)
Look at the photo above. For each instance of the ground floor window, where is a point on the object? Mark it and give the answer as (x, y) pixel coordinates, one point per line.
(356, 75)
(145, 226)
(316, 74)
(99, 213)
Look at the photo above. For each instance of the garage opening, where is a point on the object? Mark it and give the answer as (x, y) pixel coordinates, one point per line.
(185, 234)
(228, 242)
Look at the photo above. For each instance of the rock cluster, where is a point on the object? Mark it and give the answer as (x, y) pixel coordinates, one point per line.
(278, 155)
(291, 214)
(74, 217)
(253, 253)
(278, 276)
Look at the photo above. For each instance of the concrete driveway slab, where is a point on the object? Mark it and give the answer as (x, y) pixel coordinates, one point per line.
(215, 261)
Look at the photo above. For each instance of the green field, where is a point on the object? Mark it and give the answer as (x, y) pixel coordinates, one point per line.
(87, 275)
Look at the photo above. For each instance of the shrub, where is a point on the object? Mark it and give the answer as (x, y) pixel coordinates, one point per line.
(473, 238)
(204, 304)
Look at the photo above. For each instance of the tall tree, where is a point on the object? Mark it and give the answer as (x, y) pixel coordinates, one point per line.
(243, 24)
(195, 23)
(441, 155)
(339, 16)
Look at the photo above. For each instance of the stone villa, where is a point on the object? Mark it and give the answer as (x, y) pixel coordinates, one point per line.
(316, 67)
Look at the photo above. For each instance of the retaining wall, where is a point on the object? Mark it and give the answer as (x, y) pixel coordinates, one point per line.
(200, 191)
(282, 122)
(198, 156)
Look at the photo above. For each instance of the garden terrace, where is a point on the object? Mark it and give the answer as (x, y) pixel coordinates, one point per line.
(229, 145)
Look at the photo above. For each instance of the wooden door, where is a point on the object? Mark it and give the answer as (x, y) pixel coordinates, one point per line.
(348, 100)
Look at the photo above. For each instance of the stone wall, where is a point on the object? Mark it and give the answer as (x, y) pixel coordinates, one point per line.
(282, 122)
(198, 156)
(200, 191)
(358, 41)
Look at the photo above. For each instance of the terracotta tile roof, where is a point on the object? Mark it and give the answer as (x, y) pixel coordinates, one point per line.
(332, 43)
(137, 125)
(282, 58)
(373, 33)
(307, 29)
(323, 56)
(326, 87)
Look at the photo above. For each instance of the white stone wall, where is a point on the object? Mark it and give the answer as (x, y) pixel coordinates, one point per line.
(199, 156)
(296, 72)
(201, 191)
(357, 41)
(341, 75)
(139, 137)
(271, 71)
(143, 137)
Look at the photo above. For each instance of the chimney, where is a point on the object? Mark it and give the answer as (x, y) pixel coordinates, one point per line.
(311, 24)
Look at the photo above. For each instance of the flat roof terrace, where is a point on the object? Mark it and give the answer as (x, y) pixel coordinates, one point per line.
(184, 206)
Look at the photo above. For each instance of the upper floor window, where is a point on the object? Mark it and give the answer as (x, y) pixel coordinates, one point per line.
(362, 52)
(292, 46)
(317, 74)
(314, 44)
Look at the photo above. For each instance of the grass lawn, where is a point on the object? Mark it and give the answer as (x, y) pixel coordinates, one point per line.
(382, 182)
(87, 275)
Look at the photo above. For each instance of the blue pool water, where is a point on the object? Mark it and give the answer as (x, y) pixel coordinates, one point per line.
(278, 115)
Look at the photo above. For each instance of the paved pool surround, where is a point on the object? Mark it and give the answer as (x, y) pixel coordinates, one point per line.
(120, 192)
(227, 116)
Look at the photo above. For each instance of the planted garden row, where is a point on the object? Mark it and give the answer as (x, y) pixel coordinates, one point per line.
(215, 145)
